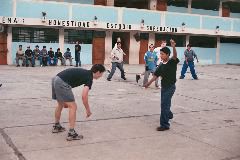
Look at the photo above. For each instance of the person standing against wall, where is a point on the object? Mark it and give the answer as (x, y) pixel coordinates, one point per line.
(77, 54)
(189, 62)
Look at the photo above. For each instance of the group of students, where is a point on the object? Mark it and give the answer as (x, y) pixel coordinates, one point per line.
(46, 57)
(64, 81)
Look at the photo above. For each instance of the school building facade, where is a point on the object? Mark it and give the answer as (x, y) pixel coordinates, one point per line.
(213, 27)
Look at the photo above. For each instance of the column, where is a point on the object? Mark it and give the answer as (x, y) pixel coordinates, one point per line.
(152, 4)
(134, 49)
(108, 46)
(218, 50)
(61, 39)
(9, 46)
(187, 39)
(14, 9)
(151, 39)
(220, 9)
(110, 2)
(189, 6)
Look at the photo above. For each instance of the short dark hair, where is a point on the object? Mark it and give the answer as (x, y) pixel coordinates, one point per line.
(151, 45)
(189, 45)
(68, 49)
(98, 67)
(118, 43)
(166, 50)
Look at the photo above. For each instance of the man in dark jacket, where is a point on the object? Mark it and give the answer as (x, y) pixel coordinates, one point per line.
(51, 57)
(28, 56)
(77, 54)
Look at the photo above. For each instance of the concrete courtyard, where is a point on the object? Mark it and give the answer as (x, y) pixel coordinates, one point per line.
(206, 123)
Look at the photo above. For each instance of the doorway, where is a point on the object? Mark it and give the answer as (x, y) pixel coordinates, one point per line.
(98, 44)
(125, 41)
(3, 48)
(144, 39)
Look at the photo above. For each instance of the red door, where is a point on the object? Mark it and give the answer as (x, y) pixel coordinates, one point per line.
(143, 50)
(98, 50)
(225, 12)
(3, 48)
(100, 2)
(161, 5)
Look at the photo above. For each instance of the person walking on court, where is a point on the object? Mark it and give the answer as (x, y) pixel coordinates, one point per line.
(62, 85)
(117, 61)
(189, 62)
(167, 72)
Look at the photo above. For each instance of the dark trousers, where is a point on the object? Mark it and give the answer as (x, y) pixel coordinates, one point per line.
(77, 59)
(166, 97)
(191, 66)
(114, 66)
(29, 59)
(44, 61)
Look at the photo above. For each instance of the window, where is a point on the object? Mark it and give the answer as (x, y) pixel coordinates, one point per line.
(179, 3)
(213, 5)
(230, 40)
(204, 42)
(83, 36)
(144, 36)
(179, 39)
(35, 35)
(139, 4)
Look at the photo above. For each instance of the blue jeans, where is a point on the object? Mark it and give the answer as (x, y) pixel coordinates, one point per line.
(41, 60)
(166, 97)
(114, 66)
(29, 59)
(191, 66)
(50, 61)
(77, 59)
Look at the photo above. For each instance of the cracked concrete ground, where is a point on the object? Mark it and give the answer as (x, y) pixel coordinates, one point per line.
(206, 123)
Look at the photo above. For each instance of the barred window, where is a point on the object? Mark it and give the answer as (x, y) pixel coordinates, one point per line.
(180, 39)
(203, 41)
(83, 36)
(35, 35)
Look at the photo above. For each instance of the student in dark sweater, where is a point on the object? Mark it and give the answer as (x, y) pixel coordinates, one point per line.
(28, 56)
(51, 57)
(167, 72)
(62, 85)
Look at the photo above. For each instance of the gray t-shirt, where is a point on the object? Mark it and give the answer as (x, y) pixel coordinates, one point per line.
(190, 55)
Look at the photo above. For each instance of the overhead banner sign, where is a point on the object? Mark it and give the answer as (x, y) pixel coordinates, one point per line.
(85, 24)
(12, 20)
